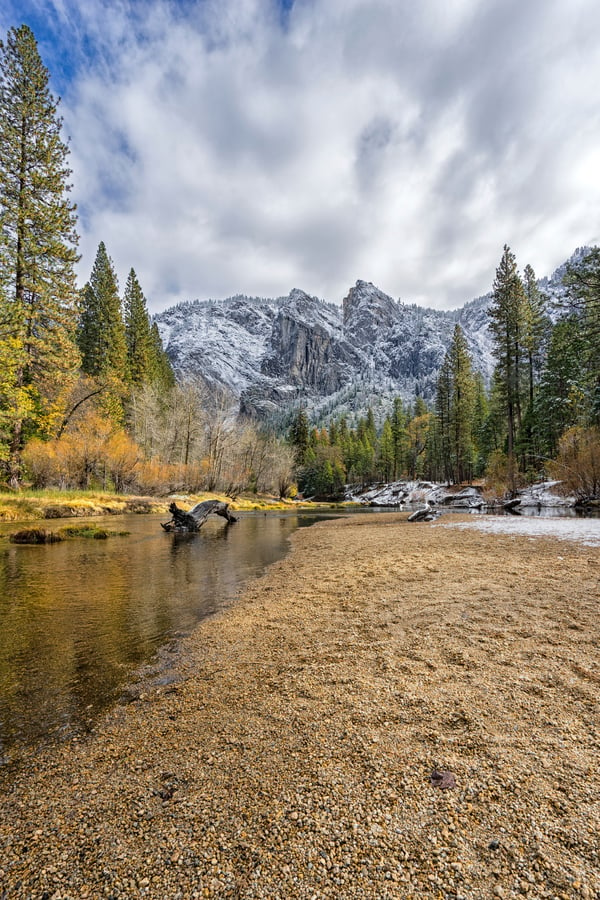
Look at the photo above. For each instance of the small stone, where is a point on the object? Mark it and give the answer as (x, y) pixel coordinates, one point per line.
(444, 780)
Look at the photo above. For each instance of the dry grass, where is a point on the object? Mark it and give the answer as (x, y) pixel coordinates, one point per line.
(31, 506)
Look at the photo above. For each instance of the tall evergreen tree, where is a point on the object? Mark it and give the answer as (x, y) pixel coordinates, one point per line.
(299, 436)
(400, 437)
(560, 402)
(481, 408)
(101, 336)
(455, 401)
(443, 411)
(38, 244)
(420, 407)
(506, 320)
(385, 459)
(161, 371)
(583, 284)
(461, 407)
(102, 331)
(138, 333)
(535, 328)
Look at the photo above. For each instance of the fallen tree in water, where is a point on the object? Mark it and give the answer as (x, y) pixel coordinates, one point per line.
(193, 519)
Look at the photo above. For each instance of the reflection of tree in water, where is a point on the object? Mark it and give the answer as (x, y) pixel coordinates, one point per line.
(180, 539)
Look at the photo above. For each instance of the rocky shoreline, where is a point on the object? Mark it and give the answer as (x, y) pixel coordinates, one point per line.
(293, 751)
(542, 495)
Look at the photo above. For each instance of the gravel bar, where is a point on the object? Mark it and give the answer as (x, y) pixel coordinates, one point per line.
(394, 710)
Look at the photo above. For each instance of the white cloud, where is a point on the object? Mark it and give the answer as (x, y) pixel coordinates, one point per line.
(218, 148)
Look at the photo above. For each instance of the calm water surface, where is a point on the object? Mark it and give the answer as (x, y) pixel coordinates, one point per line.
(77, 617)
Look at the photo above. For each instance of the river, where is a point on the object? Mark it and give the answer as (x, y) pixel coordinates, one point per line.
(78, 617)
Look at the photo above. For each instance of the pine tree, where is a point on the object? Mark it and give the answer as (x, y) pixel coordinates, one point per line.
(299, 436)
(37, 246)
(443, 403)
(102, 331)
(138, 335)
(385, 458)
(418, 435)
(583, 284)
(462, 401)
(365, 459)
(560, 399)
(535, 328)
(161, 371)
(420, 407)
(506, 320)
(400, 437)
(370, 429)
(452, 436)
(481, 408)
(493, 432)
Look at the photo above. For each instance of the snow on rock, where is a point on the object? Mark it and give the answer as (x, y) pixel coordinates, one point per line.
(270, 353)
(583, 531)
(397, 493)
(543, 494)
(407, 493)
(223, 342)
(368, 313)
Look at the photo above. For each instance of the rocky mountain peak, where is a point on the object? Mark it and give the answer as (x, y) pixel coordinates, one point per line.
(367, 313)
(311, 311)
(270, 354)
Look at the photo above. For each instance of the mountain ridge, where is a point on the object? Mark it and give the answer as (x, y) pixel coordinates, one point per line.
(270, 354)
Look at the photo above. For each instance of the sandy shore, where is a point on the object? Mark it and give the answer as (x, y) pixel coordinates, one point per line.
(290, 755)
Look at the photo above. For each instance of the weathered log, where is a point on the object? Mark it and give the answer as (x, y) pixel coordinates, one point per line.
(426, 514)
(193, 519)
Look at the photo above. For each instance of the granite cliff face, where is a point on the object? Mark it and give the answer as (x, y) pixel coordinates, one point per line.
(270, 354)
(307, 347)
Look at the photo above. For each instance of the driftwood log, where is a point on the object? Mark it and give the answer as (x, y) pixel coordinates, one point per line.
(426, 514)
(193, 519)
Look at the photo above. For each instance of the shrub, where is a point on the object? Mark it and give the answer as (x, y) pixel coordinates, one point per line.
(577, 465)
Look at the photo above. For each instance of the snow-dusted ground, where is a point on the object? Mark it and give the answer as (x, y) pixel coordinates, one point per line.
(584, 531)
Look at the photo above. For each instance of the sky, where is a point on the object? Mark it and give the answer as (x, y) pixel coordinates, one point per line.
(254, 146)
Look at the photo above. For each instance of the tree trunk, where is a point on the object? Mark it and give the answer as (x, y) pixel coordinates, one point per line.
(14, 457)
(194, 519)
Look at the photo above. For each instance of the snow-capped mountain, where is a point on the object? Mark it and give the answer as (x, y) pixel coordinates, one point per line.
(270, 354)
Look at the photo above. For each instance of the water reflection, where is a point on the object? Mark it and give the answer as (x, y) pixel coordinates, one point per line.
(78, 616)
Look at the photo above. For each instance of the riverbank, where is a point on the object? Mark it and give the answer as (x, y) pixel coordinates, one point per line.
(32, 506)
(290, 751)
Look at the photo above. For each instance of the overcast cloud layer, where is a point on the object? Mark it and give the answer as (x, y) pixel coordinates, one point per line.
(254, 146)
